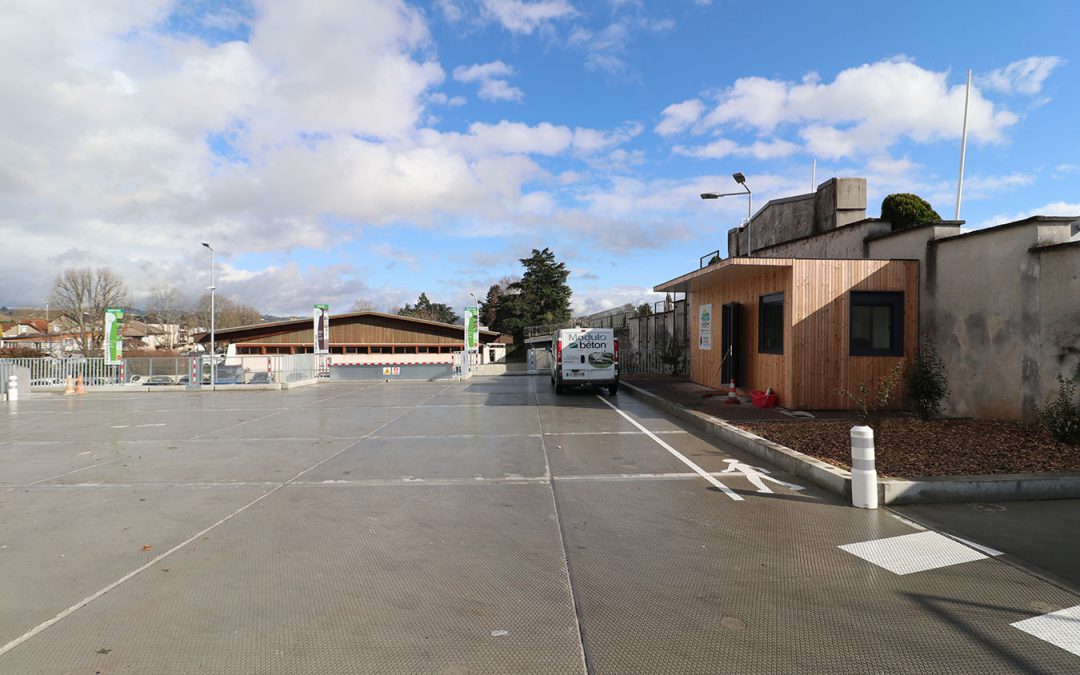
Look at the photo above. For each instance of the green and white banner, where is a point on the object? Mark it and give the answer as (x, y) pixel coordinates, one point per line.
(322, 329)
(472, 329)
(114, 336)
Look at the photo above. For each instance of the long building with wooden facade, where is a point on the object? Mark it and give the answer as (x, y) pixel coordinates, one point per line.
(804, 328)
(362, 337)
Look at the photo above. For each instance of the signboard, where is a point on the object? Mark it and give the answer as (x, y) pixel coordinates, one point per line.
(391, 370)
(472, 329)
(705, 321)
(322, 329)
(114, 336)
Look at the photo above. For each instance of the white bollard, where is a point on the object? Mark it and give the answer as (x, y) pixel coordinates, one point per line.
(864, 488)
(13, 388)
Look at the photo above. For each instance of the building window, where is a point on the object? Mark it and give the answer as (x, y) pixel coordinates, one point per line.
(877, 323)
(771, 324)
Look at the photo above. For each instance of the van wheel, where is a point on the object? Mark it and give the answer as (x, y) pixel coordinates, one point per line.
(559, 389)
(613, 388)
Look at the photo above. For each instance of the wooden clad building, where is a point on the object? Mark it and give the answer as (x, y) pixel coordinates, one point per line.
(804, 327)
(359, 333)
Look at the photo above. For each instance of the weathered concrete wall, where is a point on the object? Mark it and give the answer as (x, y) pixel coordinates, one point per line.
(843, 242)
(1059, 325)
(837, 202)
(994, 313)
(912, 243)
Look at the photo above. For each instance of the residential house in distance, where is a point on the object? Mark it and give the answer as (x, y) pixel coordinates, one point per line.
(999, 303)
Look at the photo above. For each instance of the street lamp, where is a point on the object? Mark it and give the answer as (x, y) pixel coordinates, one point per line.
(741, 180)
(211, 288)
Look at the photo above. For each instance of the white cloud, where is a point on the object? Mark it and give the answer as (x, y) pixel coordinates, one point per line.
(1025, 76)
(723, 147)
(492, 79)
(678, 117)
(863, 112)
(1068, 209)
(519, 16)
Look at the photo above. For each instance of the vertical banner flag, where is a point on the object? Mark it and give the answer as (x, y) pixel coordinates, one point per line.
(704, 340)
(114, 336)
(472, 329)
(322, 329)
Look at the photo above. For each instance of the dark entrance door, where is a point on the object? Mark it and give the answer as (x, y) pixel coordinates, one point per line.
(729, 341)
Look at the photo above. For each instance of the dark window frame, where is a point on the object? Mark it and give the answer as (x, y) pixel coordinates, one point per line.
(775, 344)
(894, 300)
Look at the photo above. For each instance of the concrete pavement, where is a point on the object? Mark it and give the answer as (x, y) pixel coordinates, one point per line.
(485, 526)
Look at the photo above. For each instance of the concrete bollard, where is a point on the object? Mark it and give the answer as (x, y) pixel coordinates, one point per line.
(13, 388)
(864, 487)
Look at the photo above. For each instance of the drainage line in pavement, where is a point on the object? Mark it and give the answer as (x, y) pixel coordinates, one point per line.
(578, 618)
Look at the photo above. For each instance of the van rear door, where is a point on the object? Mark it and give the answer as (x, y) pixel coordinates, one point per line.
(590, 355)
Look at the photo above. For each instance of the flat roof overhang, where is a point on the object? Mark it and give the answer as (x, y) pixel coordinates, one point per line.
(729, 269)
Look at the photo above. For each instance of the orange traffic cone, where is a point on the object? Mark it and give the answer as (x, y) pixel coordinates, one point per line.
(732, 397)
(69, 390)
(79, 388)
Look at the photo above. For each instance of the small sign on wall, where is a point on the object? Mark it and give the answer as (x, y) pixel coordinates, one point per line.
(391, 370)
(705, 321)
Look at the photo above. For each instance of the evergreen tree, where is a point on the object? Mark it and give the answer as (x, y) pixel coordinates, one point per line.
(544, 291)
(430, 311)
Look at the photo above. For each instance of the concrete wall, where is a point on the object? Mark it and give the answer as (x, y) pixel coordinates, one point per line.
(848, 242)
(1059, 316)
(998, 324)
(835, 203)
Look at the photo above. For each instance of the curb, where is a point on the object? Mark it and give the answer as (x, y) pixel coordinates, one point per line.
(931, 490)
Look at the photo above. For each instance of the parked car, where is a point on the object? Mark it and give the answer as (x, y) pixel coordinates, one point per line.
(184, 379)
(226, 375)
(160, 379)
(260, 378)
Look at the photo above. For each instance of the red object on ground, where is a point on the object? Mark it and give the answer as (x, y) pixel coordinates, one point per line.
(762, 400)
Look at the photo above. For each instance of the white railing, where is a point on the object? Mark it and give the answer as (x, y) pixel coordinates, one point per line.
(164, 370)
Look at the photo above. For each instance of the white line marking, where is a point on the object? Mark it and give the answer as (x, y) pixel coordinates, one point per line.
(610, 433)
(156, 559)
(978, 547)
(916, 552)
(143, 426)
(1060, 628)
(678, 455)
(756, 475)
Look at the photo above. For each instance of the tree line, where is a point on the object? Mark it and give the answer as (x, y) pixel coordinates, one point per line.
(81, 296)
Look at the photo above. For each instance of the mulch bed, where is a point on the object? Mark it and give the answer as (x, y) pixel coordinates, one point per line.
(912, 448)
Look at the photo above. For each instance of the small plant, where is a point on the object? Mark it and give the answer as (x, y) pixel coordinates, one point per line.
(1061, 414)
(673, 355)
(926, 380)
(872, 400)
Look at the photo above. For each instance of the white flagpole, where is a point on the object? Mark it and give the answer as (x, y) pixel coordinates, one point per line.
(963, 147)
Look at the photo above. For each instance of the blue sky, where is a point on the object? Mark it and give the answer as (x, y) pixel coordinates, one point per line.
(335, 151)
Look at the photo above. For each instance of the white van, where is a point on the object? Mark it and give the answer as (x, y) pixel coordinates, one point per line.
(585, 356)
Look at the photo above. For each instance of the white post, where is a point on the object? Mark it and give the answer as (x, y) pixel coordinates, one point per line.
(13, 388)
(963, 148)
(864, 488)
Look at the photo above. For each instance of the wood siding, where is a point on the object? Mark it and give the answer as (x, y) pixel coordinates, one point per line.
(821, 326)
(755, 371)
(368, 330)
(816, 359)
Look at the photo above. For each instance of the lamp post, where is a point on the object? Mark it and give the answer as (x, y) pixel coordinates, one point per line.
(211, 288)
(741, 180)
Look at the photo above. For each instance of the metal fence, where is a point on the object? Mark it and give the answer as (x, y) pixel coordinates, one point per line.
(652, 362)
(166, 370)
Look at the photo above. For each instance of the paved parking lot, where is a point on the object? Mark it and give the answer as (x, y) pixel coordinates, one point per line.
(484, 526)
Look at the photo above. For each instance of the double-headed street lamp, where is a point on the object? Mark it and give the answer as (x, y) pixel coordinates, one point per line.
(741, 180)
(211, 288)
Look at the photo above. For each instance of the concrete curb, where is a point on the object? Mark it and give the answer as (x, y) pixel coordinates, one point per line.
(931, 490)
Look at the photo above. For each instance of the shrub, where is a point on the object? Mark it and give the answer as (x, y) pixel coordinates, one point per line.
(873, 399)
(673, 355)
(926, 380)
(1061, 414)
(905, 210)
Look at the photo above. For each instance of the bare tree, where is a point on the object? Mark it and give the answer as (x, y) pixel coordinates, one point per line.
(228, 314)
(81, 296)
(167, 306)
(364, 305)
